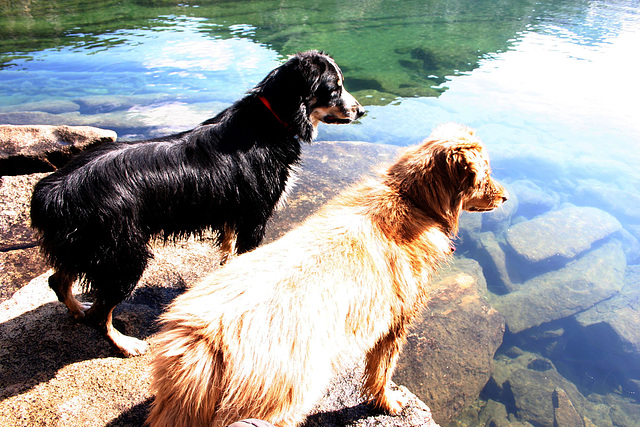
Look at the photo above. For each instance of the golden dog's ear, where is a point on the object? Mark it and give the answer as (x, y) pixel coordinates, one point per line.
(467, 165)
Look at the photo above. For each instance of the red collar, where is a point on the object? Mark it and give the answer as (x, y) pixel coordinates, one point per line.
(268, 105)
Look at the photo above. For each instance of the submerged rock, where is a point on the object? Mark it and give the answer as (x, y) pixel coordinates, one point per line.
(592, 278)
(564, 413)
(56, 106)
(613, 324)
(448, 357)
(543, 397)
(624, 205)
(499, 273)
(561, 234)
(532, 200)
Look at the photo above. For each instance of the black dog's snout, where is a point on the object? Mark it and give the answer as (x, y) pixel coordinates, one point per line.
(360, 111)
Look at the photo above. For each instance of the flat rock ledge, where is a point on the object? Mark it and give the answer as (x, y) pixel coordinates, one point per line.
(42, 148)
(57, 372)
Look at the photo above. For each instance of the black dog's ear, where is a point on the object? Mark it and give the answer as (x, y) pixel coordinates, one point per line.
(311, 65)
(290, 88)
(300, 76)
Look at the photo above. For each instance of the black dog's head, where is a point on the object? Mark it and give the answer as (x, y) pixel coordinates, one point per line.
(308, 89)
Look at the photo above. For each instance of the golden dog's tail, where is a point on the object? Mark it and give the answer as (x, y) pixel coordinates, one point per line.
(188, 380)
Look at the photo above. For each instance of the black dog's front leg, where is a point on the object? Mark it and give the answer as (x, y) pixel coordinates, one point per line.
(249, 236)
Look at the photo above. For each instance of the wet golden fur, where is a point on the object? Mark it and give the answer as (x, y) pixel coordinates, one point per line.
(262, 336)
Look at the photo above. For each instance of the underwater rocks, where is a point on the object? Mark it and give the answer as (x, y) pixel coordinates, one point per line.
(613, 324)
(592, 278)
(539, 394)
(132, 117)
(562, 234)
(562, 268)
(623, 204)
(532, 200)
(448, 356)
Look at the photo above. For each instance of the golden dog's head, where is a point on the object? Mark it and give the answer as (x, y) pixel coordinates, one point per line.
(447, 173)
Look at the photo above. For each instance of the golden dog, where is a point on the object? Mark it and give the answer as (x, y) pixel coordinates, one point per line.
(262, 336)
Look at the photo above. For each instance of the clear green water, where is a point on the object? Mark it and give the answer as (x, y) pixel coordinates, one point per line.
(551, 87)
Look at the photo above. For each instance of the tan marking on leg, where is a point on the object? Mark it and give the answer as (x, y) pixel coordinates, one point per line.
(228, 244)
(128, 346)
(62, 285)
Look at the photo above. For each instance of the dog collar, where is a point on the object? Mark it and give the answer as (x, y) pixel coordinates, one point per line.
(266, 103)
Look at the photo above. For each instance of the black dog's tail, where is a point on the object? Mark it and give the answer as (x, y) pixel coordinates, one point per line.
(48, 220)
(79, 241)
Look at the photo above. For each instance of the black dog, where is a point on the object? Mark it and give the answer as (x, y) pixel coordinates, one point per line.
(96, 215)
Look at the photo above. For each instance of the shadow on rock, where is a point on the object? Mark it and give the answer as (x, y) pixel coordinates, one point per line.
(340, 417)
(134, 416)
(36, 344)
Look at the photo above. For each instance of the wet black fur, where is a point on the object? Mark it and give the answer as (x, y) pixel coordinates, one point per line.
(96, 215)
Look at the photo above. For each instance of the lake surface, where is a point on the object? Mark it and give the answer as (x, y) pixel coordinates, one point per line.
(552, 88)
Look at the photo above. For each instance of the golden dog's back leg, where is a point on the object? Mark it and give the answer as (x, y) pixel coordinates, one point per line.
(380, 362)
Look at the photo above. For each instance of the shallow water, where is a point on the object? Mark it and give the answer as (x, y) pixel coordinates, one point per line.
(551, 87)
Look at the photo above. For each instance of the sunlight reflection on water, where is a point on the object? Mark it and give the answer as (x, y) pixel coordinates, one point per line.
(553, 93)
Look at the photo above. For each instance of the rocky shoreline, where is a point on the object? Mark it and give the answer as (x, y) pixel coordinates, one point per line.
(541, 297)
(57, 372)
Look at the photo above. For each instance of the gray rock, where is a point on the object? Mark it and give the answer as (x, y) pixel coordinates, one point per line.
(494, 413)
(131, 119)
(343, 406)
(56, 371)
(30, 149)
(634, 230)
(564, 413)
(560, 234)
(489, 414)
(613, 324)
(532, 200)
(501, 279)
(18, 267)
(592, 278)
(448, 357)
(98, 104)
(15, 199)
(624, 205)
(532, 392)
(526, 160)
(624, 412)
(595, 167)
(630, 244)
(52, 107)
(470, 227)
(20, 260)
